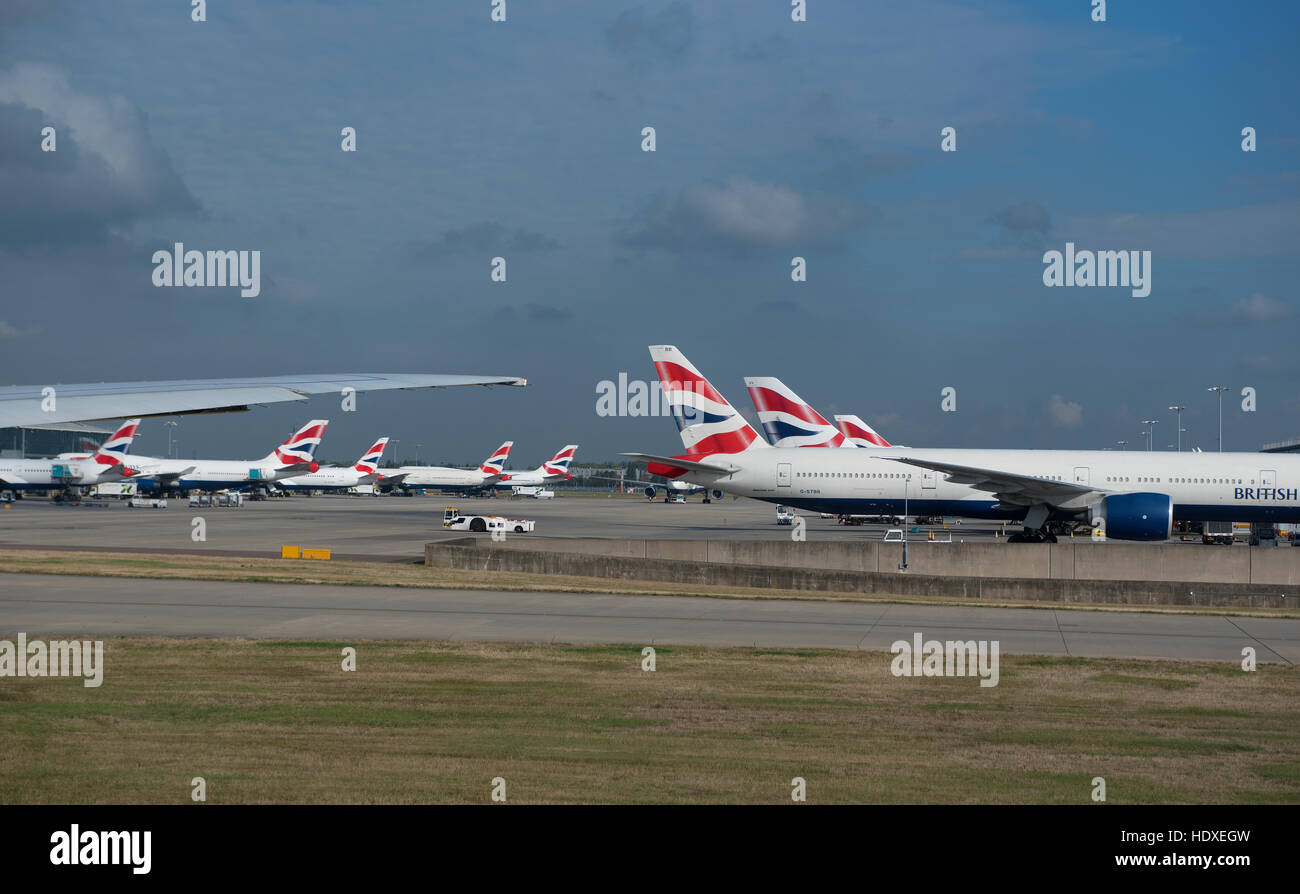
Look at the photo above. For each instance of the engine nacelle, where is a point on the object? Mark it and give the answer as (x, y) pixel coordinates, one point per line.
(1140, 516)
(717, 494)
(650, 491)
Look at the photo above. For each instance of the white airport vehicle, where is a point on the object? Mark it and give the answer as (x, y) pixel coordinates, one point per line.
(554, 469)
(364, 471)
(452, 518)
(784, 515)
(146, 503)
(484, 477)
(537, 493)
(295, 455)
(1123, 495)
(37, 405)
(1221, 532)
(115, 489)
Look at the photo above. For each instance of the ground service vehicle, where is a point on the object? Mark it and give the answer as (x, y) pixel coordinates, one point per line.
(453, 519)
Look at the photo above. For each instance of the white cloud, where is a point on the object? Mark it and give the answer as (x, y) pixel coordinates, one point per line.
(9, 331)
(1065, 413)
(1259, 309)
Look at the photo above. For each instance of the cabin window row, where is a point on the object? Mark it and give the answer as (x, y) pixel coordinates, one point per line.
(851, 475)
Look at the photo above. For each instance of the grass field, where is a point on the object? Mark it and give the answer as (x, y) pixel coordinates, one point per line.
(189, 566)
(277, 721)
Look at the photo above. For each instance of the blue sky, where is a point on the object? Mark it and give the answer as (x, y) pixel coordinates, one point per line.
(775, 139)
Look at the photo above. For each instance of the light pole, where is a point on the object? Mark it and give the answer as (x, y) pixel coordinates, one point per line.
(418, 447)
(397, 456)
(1179, 410)
(1123, 445)
(170, 426)
(1220, 389)
(1147, 435)
(1150, 434)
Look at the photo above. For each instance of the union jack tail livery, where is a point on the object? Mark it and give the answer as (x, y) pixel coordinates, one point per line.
(787, 419)
(496, 462)
(707, 422)
(369, 462)
(113, 451)
(559, 464)
(858, 433)
(300, 449)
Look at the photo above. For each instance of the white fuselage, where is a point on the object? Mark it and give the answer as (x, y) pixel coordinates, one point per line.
(211, 474)
(532, 478)
(1229, 486)
(22, 473)
(328, 478)
(441, 477)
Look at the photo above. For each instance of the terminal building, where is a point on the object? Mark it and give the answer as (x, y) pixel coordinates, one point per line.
(50, 440)
(1291, 446)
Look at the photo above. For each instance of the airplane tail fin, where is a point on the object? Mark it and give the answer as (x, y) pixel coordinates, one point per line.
(369, 462)
(708, 424)
(788, 420)
(858, 433)
(113, 452)
(497, 461)
(300, 448)
(559, 464)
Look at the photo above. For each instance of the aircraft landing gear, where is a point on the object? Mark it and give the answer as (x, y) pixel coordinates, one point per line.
(1028, 536)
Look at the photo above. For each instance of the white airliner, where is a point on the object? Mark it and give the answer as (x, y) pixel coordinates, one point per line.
(293, 457)
(445, 478)
(553, 469)
(1127, 495)
(364, 471)
(33, 405)
(108, 463)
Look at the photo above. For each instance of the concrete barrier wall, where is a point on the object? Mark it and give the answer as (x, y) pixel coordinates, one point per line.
(911, 583)
(1079, 560)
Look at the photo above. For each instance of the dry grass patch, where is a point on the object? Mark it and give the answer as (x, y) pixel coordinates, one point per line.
(278, 721)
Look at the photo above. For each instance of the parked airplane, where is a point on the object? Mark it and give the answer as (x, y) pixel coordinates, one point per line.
(553, 469)
(32, 405)
(444, 478)
(1128, 495)
(364, 471)
(108, 463)
(790, 421)
(294, 456)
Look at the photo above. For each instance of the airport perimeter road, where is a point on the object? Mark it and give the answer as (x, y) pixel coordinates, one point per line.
(396, 528)
(48, 605)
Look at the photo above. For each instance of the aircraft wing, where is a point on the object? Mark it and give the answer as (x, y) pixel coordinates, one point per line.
(23, 405)
(688, 465)
(1009, 487)
(169, 477)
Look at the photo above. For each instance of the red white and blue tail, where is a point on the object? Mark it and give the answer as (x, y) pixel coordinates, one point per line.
(558, 465)
(497, 461)
(787, 419)
(369, 462)
(300, 449)
(113, 452)
(858, 433)
(708, 424)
